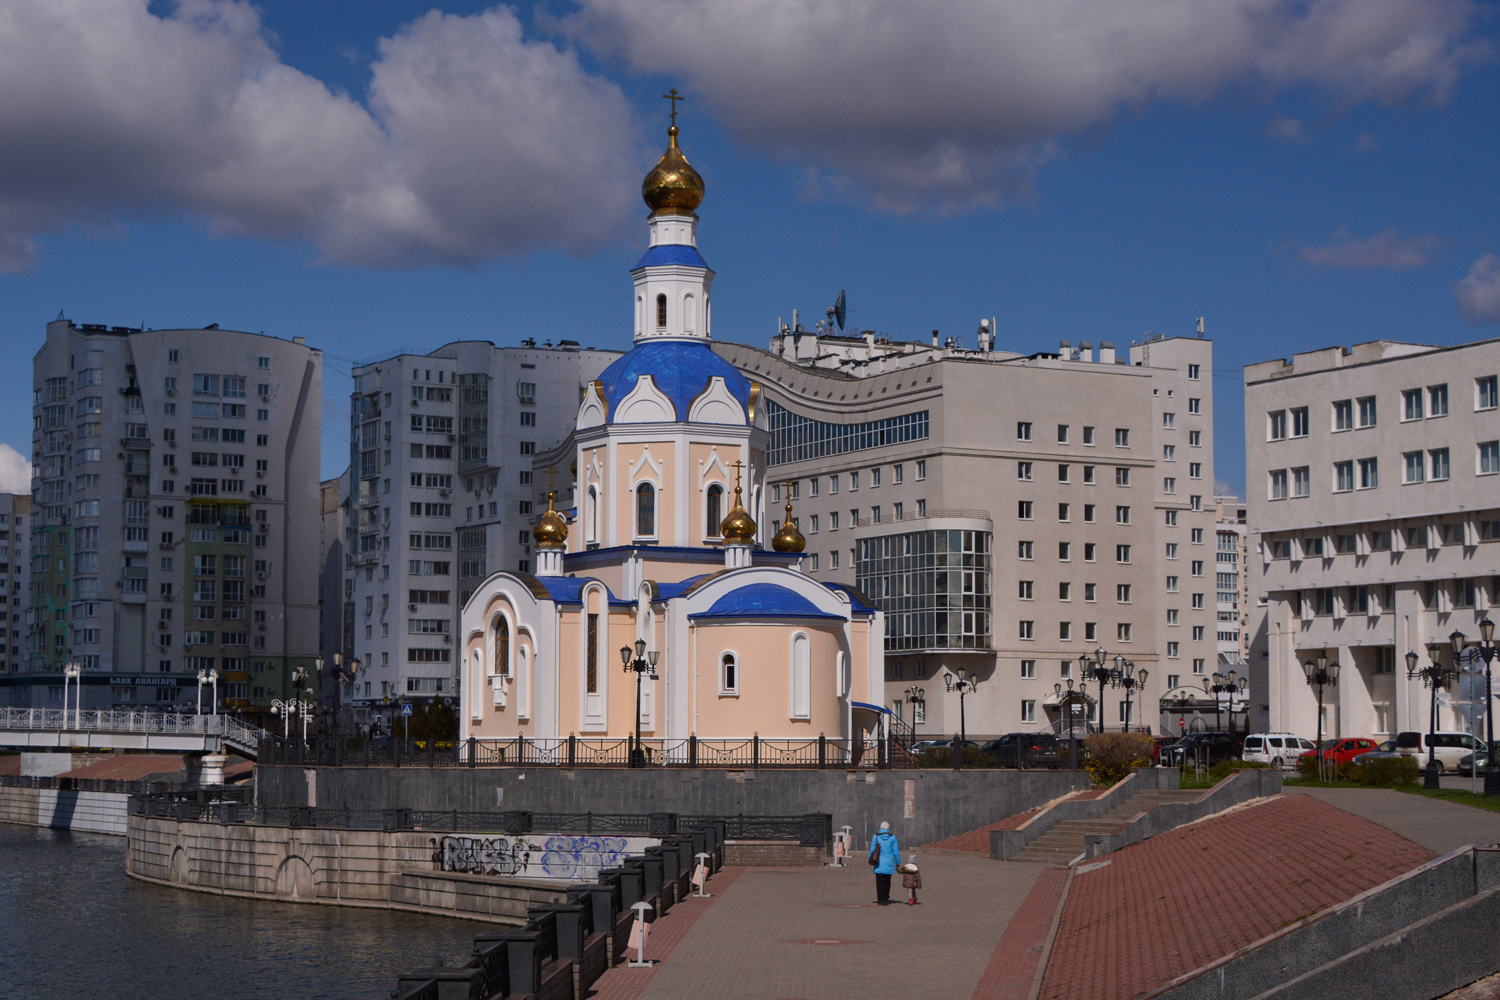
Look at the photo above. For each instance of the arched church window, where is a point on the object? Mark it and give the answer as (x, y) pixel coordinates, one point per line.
(715, 509)
(729, 674)
(645, 510)
(591, 516)
(502, 647)
(661, 312)
(801, 677)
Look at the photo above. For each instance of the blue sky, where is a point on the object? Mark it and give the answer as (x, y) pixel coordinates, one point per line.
(1292, 209)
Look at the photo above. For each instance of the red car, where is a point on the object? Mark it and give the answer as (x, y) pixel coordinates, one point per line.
(1343, 751)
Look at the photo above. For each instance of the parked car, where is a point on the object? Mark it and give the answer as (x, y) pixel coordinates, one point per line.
(921, 745)
(1158, 744)
(1342, 751)
(1276, 749)
(1448, 747)
(1204, 748)
(1467, 761)
(1026, 750)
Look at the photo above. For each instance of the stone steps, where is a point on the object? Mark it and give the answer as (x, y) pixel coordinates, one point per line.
(1064, 842)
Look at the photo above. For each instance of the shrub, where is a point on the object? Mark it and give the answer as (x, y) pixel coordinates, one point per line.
(1112, 756)
(1382, 772)
(1307, 767)
(943, 757)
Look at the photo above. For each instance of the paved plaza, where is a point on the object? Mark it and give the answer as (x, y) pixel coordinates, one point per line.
(1138, 919)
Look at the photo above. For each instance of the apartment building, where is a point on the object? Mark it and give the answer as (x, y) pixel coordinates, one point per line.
(174, 527)
(441, 494)
(1009, 513)
(1375, 531)
(1231, 533)
(15, 590)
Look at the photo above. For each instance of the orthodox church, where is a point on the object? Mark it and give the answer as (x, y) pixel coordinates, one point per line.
(662, 554)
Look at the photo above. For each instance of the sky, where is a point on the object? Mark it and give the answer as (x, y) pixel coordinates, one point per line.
(382, 174)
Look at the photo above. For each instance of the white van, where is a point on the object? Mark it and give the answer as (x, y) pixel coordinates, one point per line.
(1276, 749)
(1447, 747)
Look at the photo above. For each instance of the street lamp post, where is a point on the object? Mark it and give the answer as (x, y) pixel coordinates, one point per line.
(1229, 684)
(341, 674)
(1123, 678)
(285, 709)
(1486, 649)
(1069, 705)
(916, 696)
(1095, 670)
(964, 685)
(1434, 676)
(644, 664)
(210, 677)
(1320, 673)
(73, 677)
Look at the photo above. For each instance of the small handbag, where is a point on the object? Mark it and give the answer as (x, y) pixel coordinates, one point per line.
(874, 854)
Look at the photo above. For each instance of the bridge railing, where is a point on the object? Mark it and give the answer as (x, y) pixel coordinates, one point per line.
(746, 753)
(231, 730)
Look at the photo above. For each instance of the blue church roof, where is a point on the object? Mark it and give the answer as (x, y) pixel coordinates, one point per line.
(672, 253)
(679, 368)
(569, 590)
(764, 600)
(856, 600)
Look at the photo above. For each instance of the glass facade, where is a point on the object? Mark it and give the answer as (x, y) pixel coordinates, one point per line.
(796, 438)
(934, 587)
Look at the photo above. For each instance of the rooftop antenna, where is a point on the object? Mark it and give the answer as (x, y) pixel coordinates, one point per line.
(839, 311)
(1200, 327)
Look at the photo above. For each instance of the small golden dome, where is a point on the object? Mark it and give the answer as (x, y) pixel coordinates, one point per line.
(673, 184)
(739, 527)
(551, 531)
(789, 539)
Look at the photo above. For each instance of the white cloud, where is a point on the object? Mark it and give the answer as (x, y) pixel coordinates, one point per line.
(1479, 292)
(15, 471)
(1285, 129)
(1388, 251)
(475, 141)
(954, 105)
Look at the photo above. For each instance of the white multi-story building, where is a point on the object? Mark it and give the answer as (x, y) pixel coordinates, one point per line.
(441, 492)
(1009, 513)
(1229, 558)
(1375, 532)
(175, 502)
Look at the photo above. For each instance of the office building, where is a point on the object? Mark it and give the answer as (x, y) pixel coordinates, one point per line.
(175, 514)
(1374, 533)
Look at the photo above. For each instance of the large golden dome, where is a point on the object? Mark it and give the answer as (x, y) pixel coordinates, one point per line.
(739, 527)
(551, 531)
(789, 539)
(672, 185)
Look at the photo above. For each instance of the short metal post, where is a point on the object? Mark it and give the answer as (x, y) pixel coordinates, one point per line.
(472, 747)
(755, 751)
(572, 750)
(822, 751)
(692, 751)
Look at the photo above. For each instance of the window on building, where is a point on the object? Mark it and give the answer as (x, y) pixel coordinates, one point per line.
(1437, 463)
(1489, 458)
(1064, 551)
(1276, 425)
(1437, 400)
(1193, 373)
(1028, 669)
(921, 470)
(1299, 421)
(1023, 430)
(1276, 490)
(1171, 584)
(1486, 393)
(1088, 436)
(661, 312)
(1122, 553)
(645, 510)
(1023, 509)
(1122, 631)
(1062, 473)
(1343, 477)
(1028, 710)
(1122, 437)
(1122, 476)
(1088, 475)
(1026, 630)
(1366, 411)
(1088, 513)
(1168, 421)
(1301, 481)
(1025, 590)
(1411, 404)
(1023, 471)
(1196, 537)
(1023, 550)
(1169, 484)
(1088, 551)
(1369, 473)
(1063, 511)
(1122, 593)
(1414, 465)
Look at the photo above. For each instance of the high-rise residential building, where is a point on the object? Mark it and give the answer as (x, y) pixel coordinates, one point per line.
(1374, 536)
(1009, 513)
(1229, 559)
(15, 586)
(441, 494)
(175, 514)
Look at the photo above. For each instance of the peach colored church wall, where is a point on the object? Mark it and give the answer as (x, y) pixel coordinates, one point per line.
(764, 704)
(663, 454)
(705, 472)
(505, 722)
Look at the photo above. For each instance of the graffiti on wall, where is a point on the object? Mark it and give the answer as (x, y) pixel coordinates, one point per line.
(556, 857)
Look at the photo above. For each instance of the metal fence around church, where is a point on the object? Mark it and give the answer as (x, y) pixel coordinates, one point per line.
(750, 753)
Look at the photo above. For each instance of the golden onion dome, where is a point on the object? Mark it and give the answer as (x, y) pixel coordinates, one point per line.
(551, 531)
(739, 527)
(672, 185)
(789, 539)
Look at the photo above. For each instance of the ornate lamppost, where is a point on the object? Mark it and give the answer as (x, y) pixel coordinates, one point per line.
(1434, 676)
(1095, 670)
(342, 673)
(1069, 703)
(1320, 674)
(73, 676)
(1229, 684)
(211, 677)
(917, 696)
(644, 664)
(1122, 677)
(964, 684)
(285, 709)
(1485, 649)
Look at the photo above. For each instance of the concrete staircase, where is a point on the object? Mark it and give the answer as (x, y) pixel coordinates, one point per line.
(1064, 842)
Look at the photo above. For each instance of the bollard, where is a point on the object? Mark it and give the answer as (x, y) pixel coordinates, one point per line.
(638, 933)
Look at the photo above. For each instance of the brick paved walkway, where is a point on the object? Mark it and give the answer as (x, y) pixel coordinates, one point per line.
(1168, 905)
(1012, 968)
(816, 934)
(1434, 823)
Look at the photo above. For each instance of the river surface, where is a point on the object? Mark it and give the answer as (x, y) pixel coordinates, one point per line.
(73, 925)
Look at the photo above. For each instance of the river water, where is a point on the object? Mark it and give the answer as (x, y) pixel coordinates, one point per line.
(73, 925)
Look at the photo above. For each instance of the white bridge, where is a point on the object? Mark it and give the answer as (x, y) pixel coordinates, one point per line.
(63, 729)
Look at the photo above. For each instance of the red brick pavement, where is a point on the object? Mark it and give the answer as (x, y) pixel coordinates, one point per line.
(625, 983)
(1012, 967)
(1166, 906)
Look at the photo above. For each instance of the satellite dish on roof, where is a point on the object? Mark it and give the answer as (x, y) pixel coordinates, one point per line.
(839, 311)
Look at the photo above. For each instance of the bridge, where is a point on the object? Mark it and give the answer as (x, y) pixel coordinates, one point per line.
(164, 732)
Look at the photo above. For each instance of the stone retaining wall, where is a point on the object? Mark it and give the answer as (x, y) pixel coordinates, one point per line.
(95, 812)
(771, 854)
(338, 867)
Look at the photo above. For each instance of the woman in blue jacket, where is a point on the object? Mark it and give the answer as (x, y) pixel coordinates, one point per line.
(885, 865)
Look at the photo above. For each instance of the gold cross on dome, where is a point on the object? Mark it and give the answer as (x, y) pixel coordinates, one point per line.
(673, 96)
(737, 466)
(551, 476)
